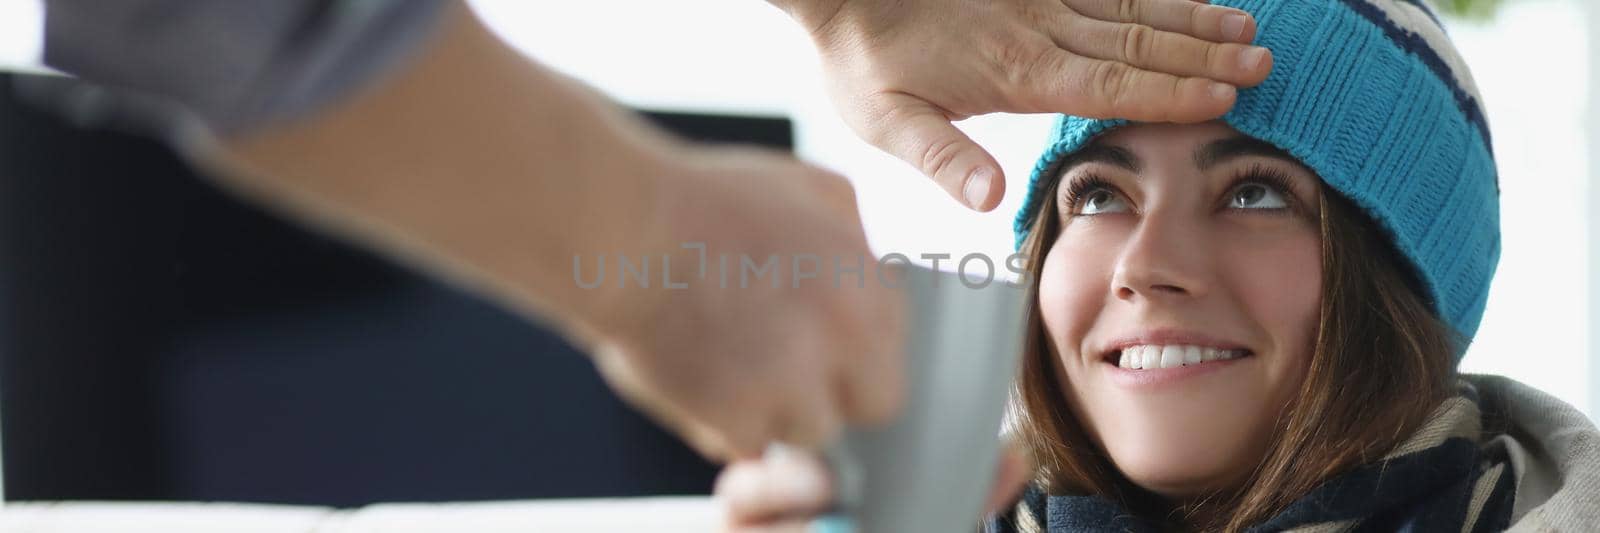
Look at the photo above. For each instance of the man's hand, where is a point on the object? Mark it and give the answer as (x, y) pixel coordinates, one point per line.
(900, 72)
(781, 330)
(786, 490)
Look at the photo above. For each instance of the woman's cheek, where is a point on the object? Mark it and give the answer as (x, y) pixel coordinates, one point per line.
(1279, 283)
(1073, 286)
(1280, 287)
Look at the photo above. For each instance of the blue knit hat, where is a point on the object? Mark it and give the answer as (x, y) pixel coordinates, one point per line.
(1372, 96)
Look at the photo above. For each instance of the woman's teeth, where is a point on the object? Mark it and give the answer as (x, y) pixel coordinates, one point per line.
(1151, 357)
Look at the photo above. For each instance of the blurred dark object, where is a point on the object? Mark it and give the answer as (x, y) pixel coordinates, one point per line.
(160, 340)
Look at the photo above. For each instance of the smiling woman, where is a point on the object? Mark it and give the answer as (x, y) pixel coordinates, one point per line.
(1209, 312)
(1253, 323)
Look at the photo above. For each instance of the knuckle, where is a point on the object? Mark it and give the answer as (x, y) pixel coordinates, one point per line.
(1128, 10)
(1033, 73)
(1107, 82)
(1196, 17)
(1174, 94)
(1214, 56)
(1138, 42)
(1018, 61)
(939, 154)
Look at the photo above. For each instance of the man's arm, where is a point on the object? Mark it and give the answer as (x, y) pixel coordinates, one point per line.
(482, 164)
(477, 163)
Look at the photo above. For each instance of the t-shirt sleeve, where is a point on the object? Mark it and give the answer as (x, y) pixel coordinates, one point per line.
(236, 63)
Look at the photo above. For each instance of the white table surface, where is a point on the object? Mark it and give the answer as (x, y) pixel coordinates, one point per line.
(656, 514)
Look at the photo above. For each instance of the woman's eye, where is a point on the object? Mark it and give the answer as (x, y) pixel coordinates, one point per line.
(1100, 201)
(1256, 196)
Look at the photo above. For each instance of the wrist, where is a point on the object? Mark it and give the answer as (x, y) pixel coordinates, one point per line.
(620, 213)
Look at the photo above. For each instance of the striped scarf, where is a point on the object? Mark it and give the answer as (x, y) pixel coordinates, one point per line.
(1439, 479)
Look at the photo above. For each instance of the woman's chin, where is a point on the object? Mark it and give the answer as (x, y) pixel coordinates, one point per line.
(1179, 476)
(1184, 445)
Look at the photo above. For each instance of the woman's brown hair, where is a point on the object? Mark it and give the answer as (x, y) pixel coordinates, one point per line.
(1380, 364)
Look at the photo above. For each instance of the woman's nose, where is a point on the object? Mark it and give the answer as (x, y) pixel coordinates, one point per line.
(1162, 259)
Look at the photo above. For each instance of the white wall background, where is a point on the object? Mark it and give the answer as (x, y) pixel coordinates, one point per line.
(1534, 64)
(1592, 209)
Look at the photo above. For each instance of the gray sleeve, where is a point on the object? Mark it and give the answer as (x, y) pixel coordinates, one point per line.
(237, 63)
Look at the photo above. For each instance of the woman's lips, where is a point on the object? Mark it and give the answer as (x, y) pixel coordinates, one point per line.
(1151, 356)
(1162, 376)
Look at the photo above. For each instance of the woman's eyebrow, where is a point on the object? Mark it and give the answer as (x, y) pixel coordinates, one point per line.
(1220, 151)
(1101, 153)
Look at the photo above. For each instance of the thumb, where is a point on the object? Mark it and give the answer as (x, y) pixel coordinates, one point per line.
(921, 134)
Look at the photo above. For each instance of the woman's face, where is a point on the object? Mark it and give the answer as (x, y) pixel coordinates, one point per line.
(1180, 298)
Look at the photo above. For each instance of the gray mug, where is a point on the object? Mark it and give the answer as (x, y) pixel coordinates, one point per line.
(931, 468)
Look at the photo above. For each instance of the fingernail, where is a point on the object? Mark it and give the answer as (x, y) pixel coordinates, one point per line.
(1222, 91)
(833, 523)
(1233, 26)
(1251, 59)
(977, 189)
